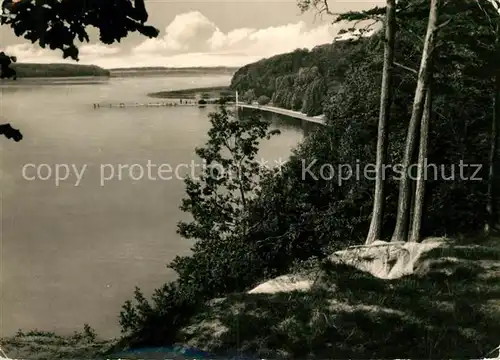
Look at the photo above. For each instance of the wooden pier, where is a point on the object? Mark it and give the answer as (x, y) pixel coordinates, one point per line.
(294, 114)
(151, 104)
(236, 105)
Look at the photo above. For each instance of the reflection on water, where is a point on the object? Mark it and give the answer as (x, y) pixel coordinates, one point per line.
(285, 122)
(81, 80)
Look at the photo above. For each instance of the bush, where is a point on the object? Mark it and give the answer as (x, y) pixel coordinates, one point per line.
(249, 96)
(202, 102)
(225, 99)
(156, 323)
(263, 100)
(222, 261)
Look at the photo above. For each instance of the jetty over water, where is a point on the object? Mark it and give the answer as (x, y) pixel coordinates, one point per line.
(295, 114)
(273, 109)
(149, 104)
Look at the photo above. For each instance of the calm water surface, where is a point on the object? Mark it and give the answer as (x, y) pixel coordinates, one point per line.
(73, 254)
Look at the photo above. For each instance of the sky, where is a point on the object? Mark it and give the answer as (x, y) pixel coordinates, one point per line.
(203, 33)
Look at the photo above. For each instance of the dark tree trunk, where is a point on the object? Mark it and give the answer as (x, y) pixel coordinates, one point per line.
(401, 229)
(385, 104)
(493, 199)
(419, 196)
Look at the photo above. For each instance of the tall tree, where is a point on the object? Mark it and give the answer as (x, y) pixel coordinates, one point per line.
(492, 206)
(416, 223)
(404, 200)
(493, 221)
(493, 193)
(59, 24)
(321, 6)
(375, 230)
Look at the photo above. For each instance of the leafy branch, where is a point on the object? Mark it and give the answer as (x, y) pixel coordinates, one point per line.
(61, 24)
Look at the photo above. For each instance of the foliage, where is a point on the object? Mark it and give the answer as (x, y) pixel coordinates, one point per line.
(298, 80)
(60, 24)
(156, 322)
(10, 132)
(41, 345)
(218, 199)
(214, 92)
(458, 131)
(26, 70)
(312, 103)
(263, 100)
(5, 63)
(249, 96)
(351, 314)
(303, 91)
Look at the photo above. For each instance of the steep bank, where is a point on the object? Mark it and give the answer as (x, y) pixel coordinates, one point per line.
(449, 306)
(441, 301)
(300, 80)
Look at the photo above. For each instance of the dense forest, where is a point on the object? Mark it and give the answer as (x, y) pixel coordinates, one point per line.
(342, 80)
(30, 70)
(298, 80)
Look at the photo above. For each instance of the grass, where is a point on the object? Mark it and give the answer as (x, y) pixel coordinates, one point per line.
(206, 92)
(449, 309)
(41, 345)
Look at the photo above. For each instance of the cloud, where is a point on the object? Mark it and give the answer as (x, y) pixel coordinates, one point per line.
(91, 53)
(192, 32)
(98, 50)
(187, 32)
(191, 39)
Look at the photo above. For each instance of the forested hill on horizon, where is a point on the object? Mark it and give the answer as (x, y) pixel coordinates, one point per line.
(36, 70)
(40, 70)
(162, 71)
(298, 80)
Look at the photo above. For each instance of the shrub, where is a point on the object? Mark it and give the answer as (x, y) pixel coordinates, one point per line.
(222, 261)
(263, 100)
(249, 96)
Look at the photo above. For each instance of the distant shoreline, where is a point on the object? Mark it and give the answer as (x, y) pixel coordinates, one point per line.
(54, 81)
(168, 71)
(193, 93)
(52, 78)
(55, 70)
(65, 70)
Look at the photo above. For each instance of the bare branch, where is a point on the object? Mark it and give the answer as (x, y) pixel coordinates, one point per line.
(405, 67)
(439, 27)
(486, 13)
(323, 8)
(375, 21)
(415, 35)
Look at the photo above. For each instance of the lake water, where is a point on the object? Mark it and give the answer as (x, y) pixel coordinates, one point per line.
(73, 254)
